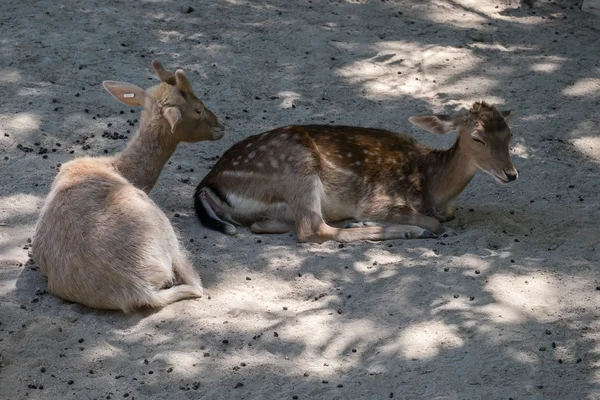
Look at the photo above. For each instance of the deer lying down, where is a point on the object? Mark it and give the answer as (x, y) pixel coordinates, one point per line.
(100, 239)
(305, 176)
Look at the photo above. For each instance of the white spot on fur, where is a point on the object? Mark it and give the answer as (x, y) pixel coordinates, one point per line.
(251, 155)
(273, 163)
(235, 163)
(349, 155)
(260, 164)
(262, 148)
(239, 174)
(357, 163)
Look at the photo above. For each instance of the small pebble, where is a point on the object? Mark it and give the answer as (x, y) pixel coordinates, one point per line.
(187, 9)
(239, 385)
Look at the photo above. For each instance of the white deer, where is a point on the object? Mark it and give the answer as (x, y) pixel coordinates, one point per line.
(100, 239)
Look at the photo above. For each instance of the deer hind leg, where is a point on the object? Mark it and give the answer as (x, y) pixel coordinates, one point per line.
(185, 272)
(311, 227)
(272, 226)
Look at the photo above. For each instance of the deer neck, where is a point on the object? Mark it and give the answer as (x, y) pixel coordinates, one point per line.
(146, 153)
(449, 172)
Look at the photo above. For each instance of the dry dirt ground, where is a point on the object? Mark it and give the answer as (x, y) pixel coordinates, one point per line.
(504, 305)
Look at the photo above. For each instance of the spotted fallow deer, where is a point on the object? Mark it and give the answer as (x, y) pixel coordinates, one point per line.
(100, 239)
(303, 177)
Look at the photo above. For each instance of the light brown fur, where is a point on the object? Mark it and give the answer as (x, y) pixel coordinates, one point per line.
(299, 177)
(100, 239)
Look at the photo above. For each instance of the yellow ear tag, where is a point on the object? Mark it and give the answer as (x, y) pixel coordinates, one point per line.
(129, 95)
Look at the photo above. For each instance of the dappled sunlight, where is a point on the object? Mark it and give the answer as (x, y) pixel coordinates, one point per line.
(425, 340)
(168, 36)
(586, 87)
(533, 295)
(522, 356)
(586, 138)
(9, 277)
(474, 14)
(10, 76)
(463, 315)
(401, 68)
(503, 48)
(519, 149)
(20, 204)
(22, 122)
(547, 67)
(289, 99)
(590, 146)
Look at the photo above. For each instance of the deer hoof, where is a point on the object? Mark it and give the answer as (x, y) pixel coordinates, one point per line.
(361, 224)
(427, 235)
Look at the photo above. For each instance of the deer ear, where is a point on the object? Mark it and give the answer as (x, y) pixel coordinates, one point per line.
(438, 124)
(126, 93)
(173, 115)
(507, 115)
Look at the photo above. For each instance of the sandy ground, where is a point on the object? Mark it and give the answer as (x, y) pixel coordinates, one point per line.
(505, 305)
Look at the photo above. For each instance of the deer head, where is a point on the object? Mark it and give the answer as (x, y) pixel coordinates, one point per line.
(174, 101)
(483, 135)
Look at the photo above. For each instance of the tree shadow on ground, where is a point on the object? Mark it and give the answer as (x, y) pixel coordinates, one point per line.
(291, 328)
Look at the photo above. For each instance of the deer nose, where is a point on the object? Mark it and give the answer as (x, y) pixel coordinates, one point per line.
(512, 174)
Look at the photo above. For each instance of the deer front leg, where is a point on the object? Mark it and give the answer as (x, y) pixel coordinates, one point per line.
(401, 216)
(312, 228)
(445, 215)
